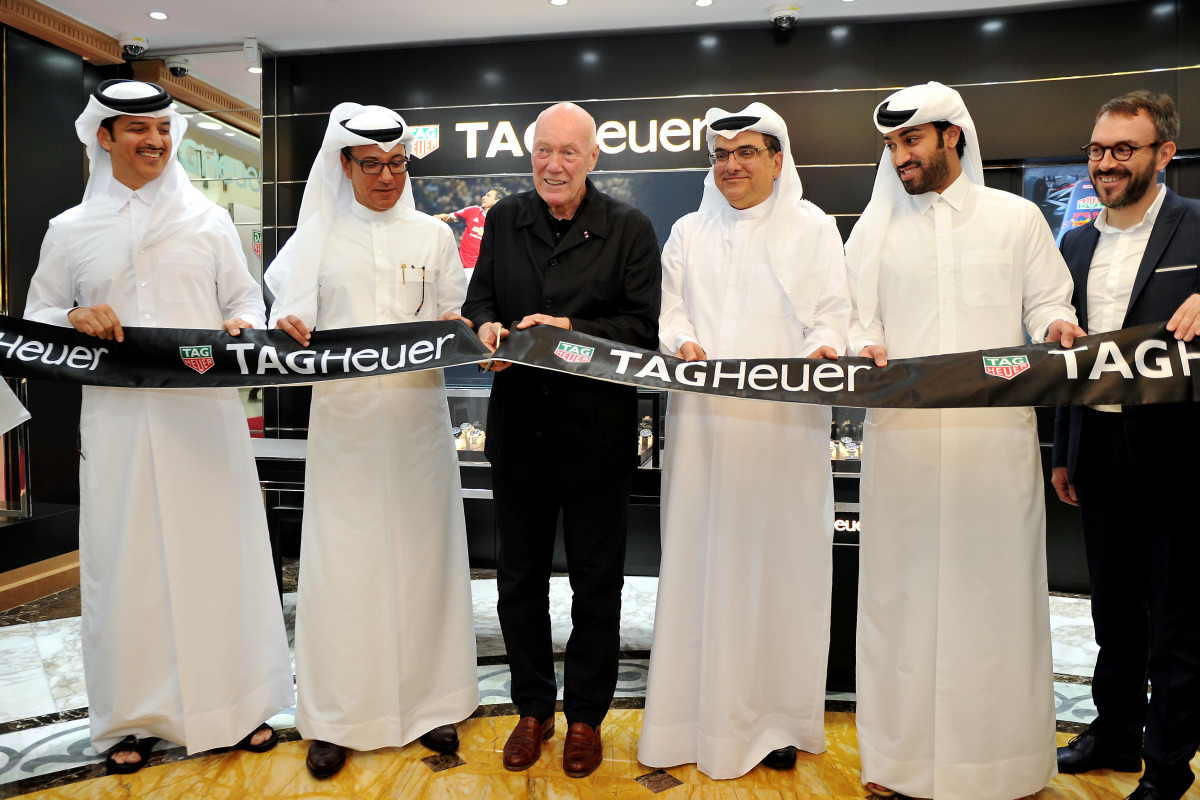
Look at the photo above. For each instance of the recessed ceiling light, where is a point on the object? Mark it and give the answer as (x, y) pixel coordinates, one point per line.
(558, 2)
(704, 3)
(157, 15)
(229, 133)
(993, 25)
(708, 40)
(839, 31)
(254, 70)
(210, 126)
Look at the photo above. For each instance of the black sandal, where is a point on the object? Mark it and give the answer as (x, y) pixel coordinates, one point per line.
(269, 744)
(130, 744)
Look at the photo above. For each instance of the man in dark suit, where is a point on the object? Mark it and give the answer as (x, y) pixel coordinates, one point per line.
(1131, 469)
(566, 255)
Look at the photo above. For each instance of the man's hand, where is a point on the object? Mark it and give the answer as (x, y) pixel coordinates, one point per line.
(450, 316)
(295, 328)
(875, 351)
(490, 333)
(544, 319)
(824, 351)
(98, 320)
(691, 351)
(1066, 491)
(234, 326)
(1186, 321)
(444, 217)
(1064, 332)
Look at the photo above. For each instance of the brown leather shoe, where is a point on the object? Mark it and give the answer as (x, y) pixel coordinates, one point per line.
(324, 758)
(583, 751)
(524, 744)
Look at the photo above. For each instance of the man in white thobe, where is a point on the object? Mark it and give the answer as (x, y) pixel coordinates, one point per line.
(955, 683)
(741, 634)
(183, 634)
(385, 636)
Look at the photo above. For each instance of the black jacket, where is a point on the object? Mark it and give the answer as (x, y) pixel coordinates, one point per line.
(605, 276)
(1158, 291)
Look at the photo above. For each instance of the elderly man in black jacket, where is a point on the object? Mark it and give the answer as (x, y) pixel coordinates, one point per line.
(570, 256)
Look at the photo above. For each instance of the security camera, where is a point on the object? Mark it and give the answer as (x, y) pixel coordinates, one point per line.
(783, 15)
(177, 66)
(133, 44)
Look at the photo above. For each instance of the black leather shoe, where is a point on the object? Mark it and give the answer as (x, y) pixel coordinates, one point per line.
(325, 758)
(1148, 791)
(442, 739)
(783, 758)
(1087, 752)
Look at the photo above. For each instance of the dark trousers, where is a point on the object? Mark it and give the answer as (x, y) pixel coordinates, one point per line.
(1135, 486)
(595, 519)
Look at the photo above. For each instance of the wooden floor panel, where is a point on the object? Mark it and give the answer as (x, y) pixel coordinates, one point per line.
(401, 774)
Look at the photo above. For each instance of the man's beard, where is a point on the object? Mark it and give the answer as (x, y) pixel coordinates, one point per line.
(934, 175)
(1135, 188)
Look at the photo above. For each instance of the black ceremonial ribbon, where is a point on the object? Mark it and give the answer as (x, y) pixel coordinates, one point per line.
(177, 358)
(1128, 367)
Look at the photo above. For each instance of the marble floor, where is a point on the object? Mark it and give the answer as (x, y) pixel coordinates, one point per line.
(44, 738)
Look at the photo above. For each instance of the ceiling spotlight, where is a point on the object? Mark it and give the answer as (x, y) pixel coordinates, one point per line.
(160, 15)
(993, 25)
(210, 126)
(558, 2)
(254, 70)
(704, 3)
(229, 133)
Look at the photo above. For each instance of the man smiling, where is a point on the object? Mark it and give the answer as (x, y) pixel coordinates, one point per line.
(951, 598)
(757, 272)
(172, 533)
(383, 516)
(1137, 264)
(569, 256)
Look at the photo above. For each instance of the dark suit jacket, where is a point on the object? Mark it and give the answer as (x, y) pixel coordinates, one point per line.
(605, 276)
(1174, 242)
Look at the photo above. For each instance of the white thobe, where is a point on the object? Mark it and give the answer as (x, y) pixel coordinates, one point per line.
(385, 636)
(741, 633)
(183, 634)
(955, 680)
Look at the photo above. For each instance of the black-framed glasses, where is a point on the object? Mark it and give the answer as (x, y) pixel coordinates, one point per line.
(369, 166)
(1121, 151)
(744, 155)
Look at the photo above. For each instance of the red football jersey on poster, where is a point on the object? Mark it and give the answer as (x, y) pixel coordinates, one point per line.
(468, 248)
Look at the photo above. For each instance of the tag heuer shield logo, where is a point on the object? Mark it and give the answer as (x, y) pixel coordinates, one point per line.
(1007, 367)
(574, 353)
(198, 358)
(425, 139)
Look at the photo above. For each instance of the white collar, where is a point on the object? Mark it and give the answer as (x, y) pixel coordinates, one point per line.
(1149, 218)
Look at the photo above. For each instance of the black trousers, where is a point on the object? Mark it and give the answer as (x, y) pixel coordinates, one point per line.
(1134, 485)
(595, 520)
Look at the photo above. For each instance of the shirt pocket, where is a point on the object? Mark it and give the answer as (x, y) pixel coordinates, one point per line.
(185, 277)
(987, 277)
(413, 294)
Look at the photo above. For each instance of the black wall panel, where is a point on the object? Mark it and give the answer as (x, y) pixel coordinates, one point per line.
(1032, 80)
(44, 169)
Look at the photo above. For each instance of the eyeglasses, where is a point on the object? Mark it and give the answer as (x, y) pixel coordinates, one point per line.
(397, 166)
(1121, 151)
(744, 155)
